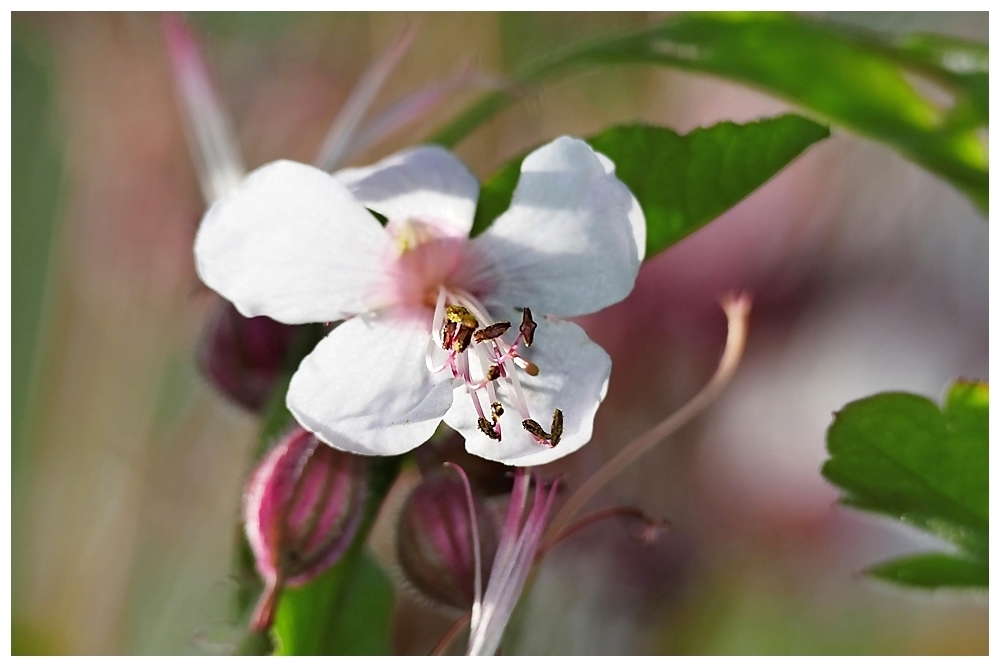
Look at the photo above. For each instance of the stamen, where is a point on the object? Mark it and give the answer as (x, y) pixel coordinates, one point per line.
(492, 331)
(448, 331)
(489, 428)
(528, 327)
(496, 409)
(520, 403)
(525, 365)
(463, 372)
(461, 316)
(461, 336)
(557, 427)
(439, 316)
(492, 393)
(537, 432)
(458, 328)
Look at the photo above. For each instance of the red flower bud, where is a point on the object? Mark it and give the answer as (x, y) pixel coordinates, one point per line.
(243, 357)
(301, 509)
(434, 540)
(487, 477)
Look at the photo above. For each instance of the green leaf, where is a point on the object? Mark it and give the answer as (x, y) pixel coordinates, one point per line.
(860, 80)
(36, 195)
(682, 182)
(346, 611)
(901, 455)
(934, 570)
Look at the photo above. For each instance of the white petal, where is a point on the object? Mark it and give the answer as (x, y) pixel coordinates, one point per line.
(293, 244)
(566, 245)
(366, 389)
(635, 215)
(426, 182)
(573, 376)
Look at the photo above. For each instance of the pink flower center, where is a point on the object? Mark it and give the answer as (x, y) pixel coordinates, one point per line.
(458, 317)
(426, 257)
(426, 267)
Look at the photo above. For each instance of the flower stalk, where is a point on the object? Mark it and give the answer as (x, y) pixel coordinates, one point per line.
(737, 310)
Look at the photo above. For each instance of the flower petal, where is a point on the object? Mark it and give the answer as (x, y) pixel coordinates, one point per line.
(293, 244)
(635, 215)
(573, 377)
(366, 389)
(566, 245)
(425, 182)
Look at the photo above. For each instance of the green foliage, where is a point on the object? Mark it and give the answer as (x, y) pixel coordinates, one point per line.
(860, 80)
(36, 185)
(901, 455)
(934, 570)
(682, 182)
(346, 611)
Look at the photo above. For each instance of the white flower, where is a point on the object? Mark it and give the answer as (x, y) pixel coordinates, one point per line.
(422, 302)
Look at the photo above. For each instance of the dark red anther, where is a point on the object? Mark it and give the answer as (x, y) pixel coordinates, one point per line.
(489, 428)
(492, 331)
(535, 429)
(557, 427)
(528, 327)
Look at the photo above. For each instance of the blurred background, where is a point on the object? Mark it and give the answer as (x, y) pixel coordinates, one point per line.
(867, 273)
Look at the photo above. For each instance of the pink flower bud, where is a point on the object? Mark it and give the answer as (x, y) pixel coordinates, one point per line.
(301, 509)
(434, 540)
(243, 357)
(488, 477)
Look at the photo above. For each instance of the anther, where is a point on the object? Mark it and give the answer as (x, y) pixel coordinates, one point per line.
(497, 410)
(527, 327)
(525, 365)
(461, 316)
(448, 330)
(535, 429)
(557, 427)
(459, 325)
(488, 428)
(493, 373)
(462, 339)
(492, 331)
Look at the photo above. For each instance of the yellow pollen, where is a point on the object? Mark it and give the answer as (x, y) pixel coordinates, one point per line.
(461, 316)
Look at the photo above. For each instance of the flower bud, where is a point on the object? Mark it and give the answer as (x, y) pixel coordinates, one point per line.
(243, 357)
(434, 540)
(301, 510)
(488, 477)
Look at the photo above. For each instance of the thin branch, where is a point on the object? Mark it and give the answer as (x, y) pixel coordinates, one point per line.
(364, 93)
(600, 515)
(477, 600)
(737, 309)
(450, 635)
